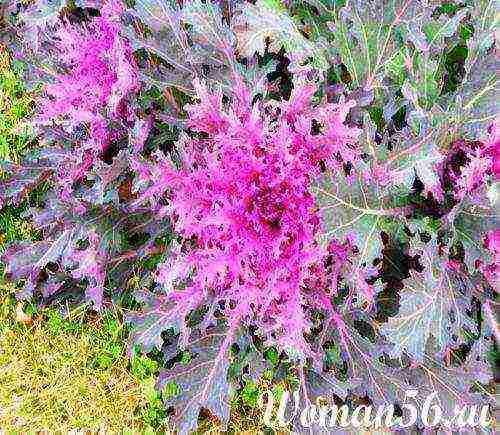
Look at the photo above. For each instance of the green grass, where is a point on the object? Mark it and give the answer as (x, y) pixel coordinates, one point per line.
(15, 104)
(12, 226)
(66, 372)
(60, 373)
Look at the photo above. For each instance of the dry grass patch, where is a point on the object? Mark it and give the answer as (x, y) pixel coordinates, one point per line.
(61, 374)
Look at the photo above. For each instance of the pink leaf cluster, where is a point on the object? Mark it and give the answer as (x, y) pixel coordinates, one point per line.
(493, 147)
(468, 166)
(100, 72)
(243, 203)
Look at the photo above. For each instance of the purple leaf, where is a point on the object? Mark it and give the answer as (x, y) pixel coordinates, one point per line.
(158, 315)
(206, 41)
(140, 133)
(21, 180)
(201, 383)
(453, 386)
(469, 223)
(432, 304)
(26, 260)
(38, 16)
(366, 371)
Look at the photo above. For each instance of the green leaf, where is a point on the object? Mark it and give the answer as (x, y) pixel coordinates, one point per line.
(421, 163)
(444, 27)
(356, 210)
(426, 81)
(395, 66)
(407, 157)
(475, 101)
(270, 20)
(365, 36)
(250, 394)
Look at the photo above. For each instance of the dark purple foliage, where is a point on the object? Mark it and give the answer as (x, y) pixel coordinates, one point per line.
(250, 213)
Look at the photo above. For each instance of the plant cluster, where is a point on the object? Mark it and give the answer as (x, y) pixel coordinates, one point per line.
(313, 178)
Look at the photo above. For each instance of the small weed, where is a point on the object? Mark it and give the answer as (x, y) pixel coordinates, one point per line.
(250, 394)
(143, 367)
(145, 370)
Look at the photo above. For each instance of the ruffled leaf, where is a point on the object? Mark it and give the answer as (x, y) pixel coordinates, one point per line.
(270, 20)
(201, 383)
(22, 180)
(433, 303)
(356, 211)
(469, 223)
(187, 50)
